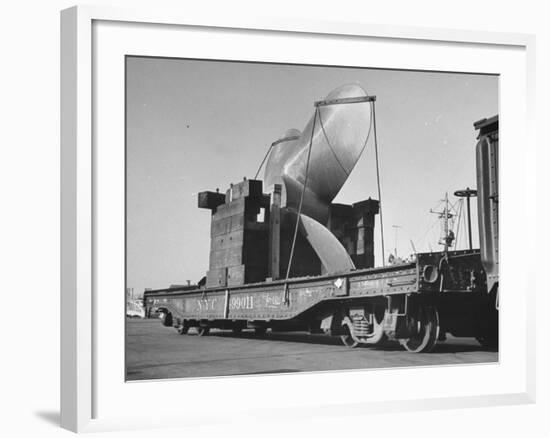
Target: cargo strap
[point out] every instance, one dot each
(302, 195)
(372, 125)
(265, 158)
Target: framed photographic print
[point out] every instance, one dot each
(256, 207)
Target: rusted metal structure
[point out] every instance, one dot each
(487, 205)
(487, 180)
(284, 257)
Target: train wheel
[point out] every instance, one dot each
(487, 331)
(260, 331)
(347, 339)
(167, 319)
(183, 329)
(425, 324)
(203, 330)
(488, 335)
(237, 330)
(489, 341)
(378, 336)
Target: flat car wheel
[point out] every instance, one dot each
(425, 323)
(378, 337)
(260, 331)
(203, 331)
(487, 334)
(183, 329)
(488, 342)
(347, 339)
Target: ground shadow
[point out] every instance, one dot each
(456, 345)
(51, 417)
(444, 347)
(304, 338)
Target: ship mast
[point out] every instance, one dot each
(446, 215)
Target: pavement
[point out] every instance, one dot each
(157, 352)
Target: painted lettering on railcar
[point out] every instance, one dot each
(273, 300)
(240, 302)
(206, 304)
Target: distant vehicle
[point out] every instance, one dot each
(135, 309)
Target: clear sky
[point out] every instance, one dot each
(201, 125)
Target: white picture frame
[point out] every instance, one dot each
(86, 376)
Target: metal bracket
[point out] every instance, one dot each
(388, 297)
(341, 287)
(226, 305)
(401, 283)
(286, 295)
(281, 140)
(344, 100)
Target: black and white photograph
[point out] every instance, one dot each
(301, 218)
(275, 219)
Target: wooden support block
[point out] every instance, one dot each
(239, 242)
(368, 207)
(235, 275)
(274, 262)
(234, 223)
(227, 225)
(353, 226)
(341, 210)
(228, 240)
(226, 257)
(216, 277)
(210, 200)
(233, 208)
(249, 188)
(243, 274)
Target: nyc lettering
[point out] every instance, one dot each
(206, 304)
